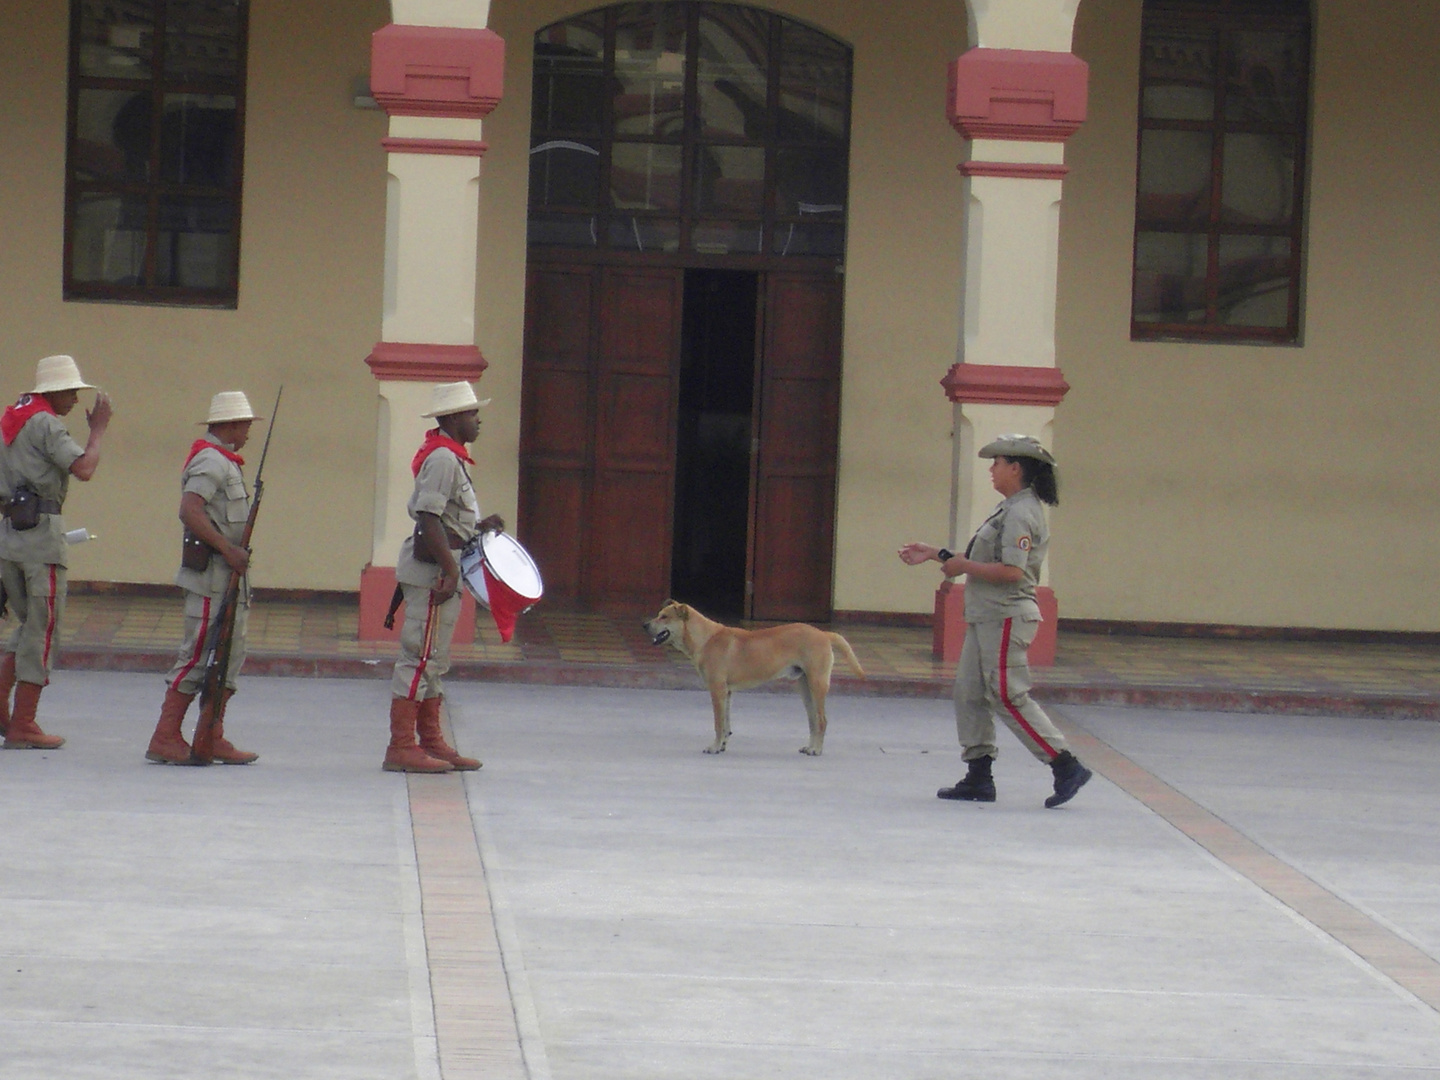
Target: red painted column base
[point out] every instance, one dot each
(949, 627)
(377, 586)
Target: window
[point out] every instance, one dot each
(152, 194)
(1221, 178)
(705, 128)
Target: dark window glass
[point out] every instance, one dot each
(153, 173)
(1220, 182)
(730, 179)
(650, 54)
(814, 86)
(709, 128)
(731, 73)
(569, 77)
(563, 230)
(564, 172)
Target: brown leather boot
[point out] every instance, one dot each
(167, 745)
(23, 733)
(7, 684)
(427, 722)
(403, 755)
(224, 751)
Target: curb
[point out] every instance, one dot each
(1235, 699)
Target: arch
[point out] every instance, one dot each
(708, 128)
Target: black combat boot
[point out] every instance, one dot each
(1070, 777)
(977, 785)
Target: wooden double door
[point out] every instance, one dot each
(601, 408)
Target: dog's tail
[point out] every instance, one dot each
(847, 652)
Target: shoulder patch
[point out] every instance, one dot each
(1023, 543)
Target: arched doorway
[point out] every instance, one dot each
(681, 388)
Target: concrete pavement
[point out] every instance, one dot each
(604, 901)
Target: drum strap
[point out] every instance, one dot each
(396, 600)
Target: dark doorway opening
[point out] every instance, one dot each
(713, 442)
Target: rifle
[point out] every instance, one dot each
(222, 634)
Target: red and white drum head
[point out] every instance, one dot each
(500, 574)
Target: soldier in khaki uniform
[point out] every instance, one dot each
(447, 517)
(1001, 565)
(214, 505)
(37, 459)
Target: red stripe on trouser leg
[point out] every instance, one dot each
(49, 624)
(1005, 693)
(199, 646)
(427, 644)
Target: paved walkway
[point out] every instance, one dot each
(108, 632)
(1249, 896)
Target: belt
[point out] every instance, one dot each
(42, 506)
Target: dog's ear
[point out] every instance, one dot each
(684, 611)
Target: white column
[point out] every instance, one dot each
(1016, 98)
(437, 75)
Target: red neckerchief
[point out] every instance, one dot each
(206, 444)
(19, 414)
(435, 439)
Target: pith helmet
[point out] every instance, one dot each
(1013, 446)
(58, 373)
(229, 405)
(453, 397)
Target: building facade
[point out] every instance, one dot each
(1195, 258)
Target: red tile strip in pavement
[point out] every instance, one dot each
(1386, 951)
(474, 1018)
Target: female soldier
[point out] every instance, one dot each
(1001, 565)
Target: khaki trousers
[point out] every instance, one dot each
(418, 676)
(993, 679)
(201, 611)
(37, 596)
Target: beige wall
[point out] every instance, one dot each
(1267, 486)
(309, 311)
(902, 277)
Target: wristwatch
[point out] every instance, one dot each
(945, 555)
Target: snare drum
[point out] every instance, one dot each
(501, 576)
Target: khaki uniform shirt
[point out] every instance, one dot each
(1015, 534)
(219, 482)
(40, 456)
(442, 488)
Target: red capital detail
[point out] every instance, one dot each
(1000, 384)
(1018, 94)
(451, 147)
(394, 361)
(1014, 170)
(437, 70)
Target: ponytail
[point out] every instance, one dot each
(1040, 475)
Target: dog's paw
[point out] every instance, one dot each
(813, 751)
(715, 749)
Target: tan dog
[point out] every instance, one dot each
(729, 658)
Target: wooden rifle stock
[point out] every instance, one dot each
(222, 633)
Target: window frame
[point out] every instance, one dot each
(1223, 18)
(154, 188)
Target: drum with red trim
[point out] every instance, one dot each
(501, 576)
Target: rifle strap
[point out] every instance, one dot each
(396, 600)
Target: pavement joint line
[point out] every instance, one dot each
(422, 1004)
(1391, 955)
(474, 1018)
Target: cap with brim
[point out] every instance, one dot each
(55, 374)
(446, 399)
(229, 406)
(1015, 446)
